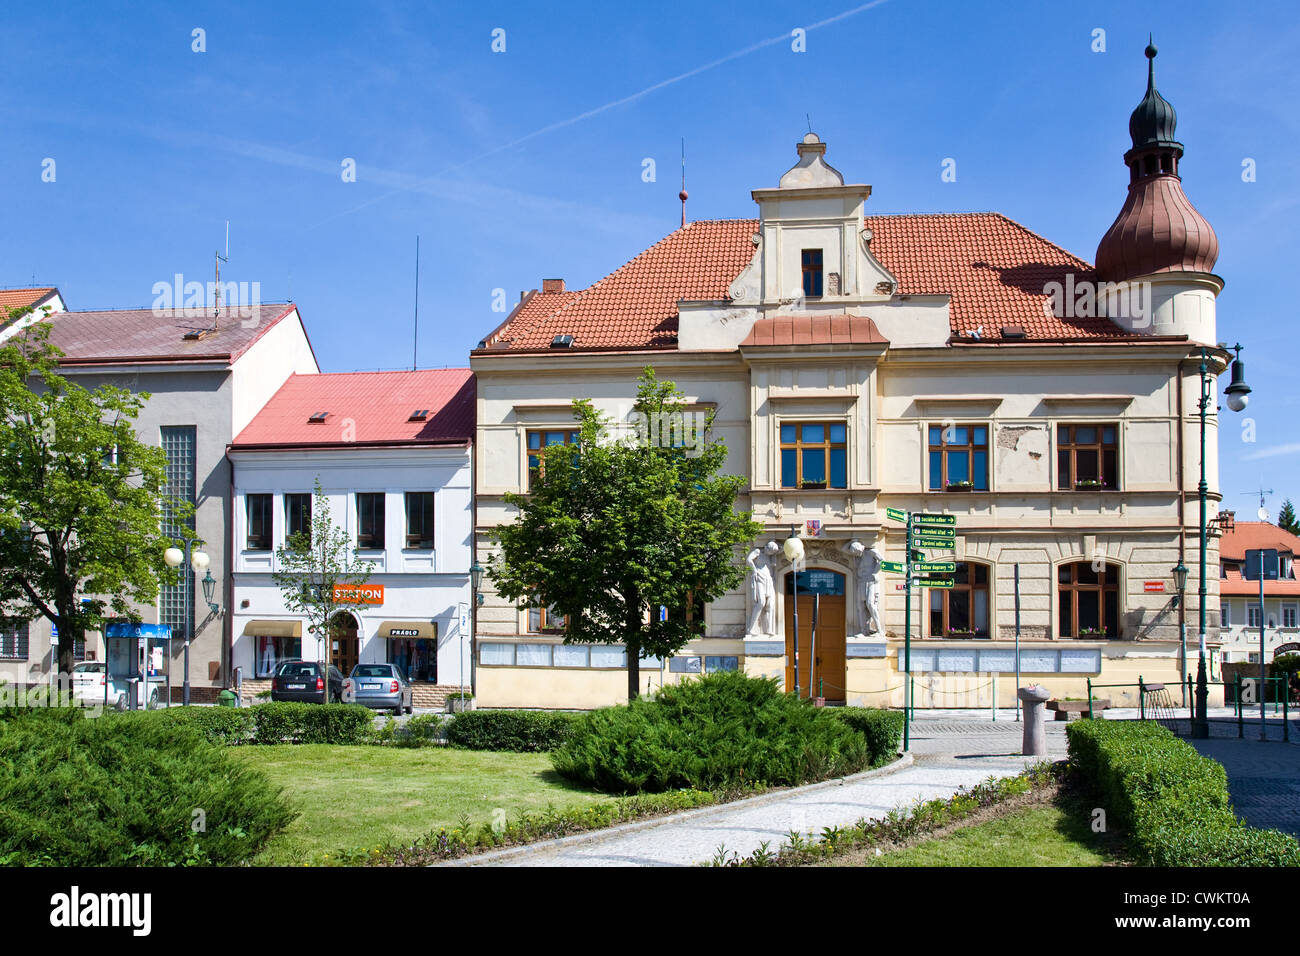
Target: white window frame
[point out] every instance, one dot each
(1294, 609)
(1254, 614)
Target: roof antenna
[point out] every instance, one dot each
(682, 195)
(415, 344)
(218, 258)
(1262, 514)
(809, 119)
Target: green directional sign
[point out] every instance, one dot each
(934, 567)
(933, 520)
(895, 514)
(895, 566)
(934, 582)
(946, 544)
(935, 531)
(931, 534)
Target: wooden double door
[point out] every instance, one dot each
(345, 647)
(822, 609)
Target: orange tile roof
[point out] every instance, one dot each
(994, 269)
(1234, 585)
(814, 330)
(366, 409)
(21, 298)
(1253, 535)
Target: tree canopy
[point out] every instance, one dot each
(81, 497)
(623, 525)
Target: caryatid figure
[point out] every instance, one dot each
(868, 581)
(762, 592)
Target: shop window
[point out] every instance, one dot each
(258, 509)
(417, 657)
(814, 455)
(419, 520)
(14, 640)
(571, 655)
(533, 655)
(499, 654)
(713, 665)
(370, 520)
(959, 457)
(538, 441)
(1088, 601)
(963, 609)
(274, 651)
(686, 665)
(608, 655)
(297, 516)
(811, 269)
(1087, 457)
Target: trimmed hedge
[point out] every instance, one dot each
(521, 731)
(281, 722)
(883, 730)
(722, 732)
(128, 790)
(1172, 802)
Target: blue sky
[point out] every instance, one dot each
(511, 169)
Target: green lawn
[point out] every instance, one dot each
(357, 796)
(1036, 835)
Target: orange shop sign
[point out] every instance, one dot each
(359, 593)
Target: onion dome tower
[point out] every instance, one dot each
(1160, 249)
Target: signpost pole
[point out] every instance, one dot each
(1263, 684)
(1017, 569)
(907, 639)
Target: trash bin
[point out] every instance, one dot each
(227, 698)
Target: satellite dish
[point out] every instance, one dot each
(1263, 514)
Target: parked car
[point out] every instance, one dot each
(304, 681)
(381, 686)
(88, 687)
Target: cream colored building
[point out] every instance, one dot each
(948, 364)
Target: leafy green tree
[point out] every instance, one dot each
(318, 571)
(618, 528)
(1286, 519)
(81, 497)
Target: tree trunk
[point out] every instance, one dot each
(633, 644)
(65, 662)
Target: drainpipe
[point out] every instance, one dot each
(1182, 534)
(227, 619)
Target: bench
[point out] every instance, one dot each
(1064, 708)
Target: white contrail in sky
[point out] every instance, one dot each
(561, 124)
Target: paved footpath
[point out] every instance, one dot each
(949, 752)
(1263, 776)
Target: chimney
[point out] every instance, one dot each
(552, 285)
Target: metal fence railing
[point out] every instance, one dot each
(1155, 702)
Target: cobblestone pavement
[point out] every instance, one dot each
(949, 753)
(1263, 776)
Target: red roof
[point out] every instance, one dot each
(366, 409)
(21, 298)
(1254, 535)
(994, 269)
(142, 335)
(814, 330)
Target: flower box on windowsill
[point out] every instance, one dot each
(959, 486)
(1091, 634)
(963, 635)
(812, 485)
(1089, 485)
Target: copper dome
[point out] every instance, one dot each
(1158, 229)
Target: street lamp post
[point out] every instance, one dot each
(198, 560)
(1238, 393)
(476, 583)
(1179, 571)
(793, 549)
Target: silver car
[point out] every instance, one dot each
(381, 686)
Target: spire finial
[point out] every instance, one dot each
(682, 195)
(1151, 52)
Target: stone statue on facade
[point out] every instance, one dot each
(762, 592)
(868, 590)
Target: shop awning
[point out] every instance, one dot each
(406, 630)
(273, 629)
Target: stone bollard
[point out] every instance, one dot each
(1034, 741)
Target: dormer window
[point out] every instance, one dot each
(318, 418)
(812, 273)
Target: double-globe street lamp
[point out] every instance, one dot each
(184, 552)
(1237, 396)
(793, 548)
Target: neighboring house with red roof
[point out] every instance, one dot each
(207, 376)
(946, 363)
(393, 454)
(1239, 588)
(42, 301)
